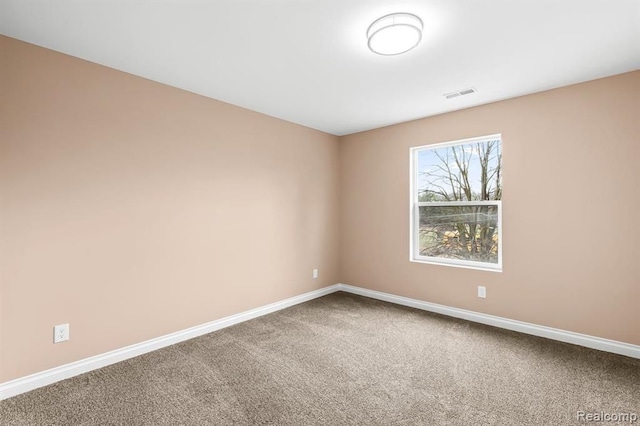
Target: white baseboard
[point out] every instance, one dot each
(599, 343)
(47, 377)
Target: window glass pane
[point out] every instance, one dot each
(463, 172)
(459, 232)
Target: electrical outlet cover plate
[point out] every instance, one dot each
(315, 273)
(482, 292)
(60, 333)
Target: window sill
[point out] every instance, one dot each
(497, 268)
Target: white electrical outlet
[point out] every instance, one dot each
(315, 274)
(482, 292)
(60, 333)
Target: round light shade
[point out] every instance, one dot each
(395, 34)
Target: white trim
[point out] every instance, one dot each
(464, 264)
(47, 377)
(494, 137)
(585, 340)
(458, 203)
(413, 208)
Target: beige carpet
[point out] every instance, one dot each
(340, 360)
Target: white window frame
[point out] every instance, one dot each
(415, 205)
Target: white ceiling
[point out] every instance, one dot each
(307, 61)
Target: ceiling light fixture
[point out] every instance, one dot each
(394, 34)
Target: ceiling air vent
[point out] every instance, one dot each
(460, 93)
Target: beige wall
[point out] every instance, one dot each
(571, 168)
(131, 209)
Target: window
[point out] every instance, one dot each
(456, 207)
